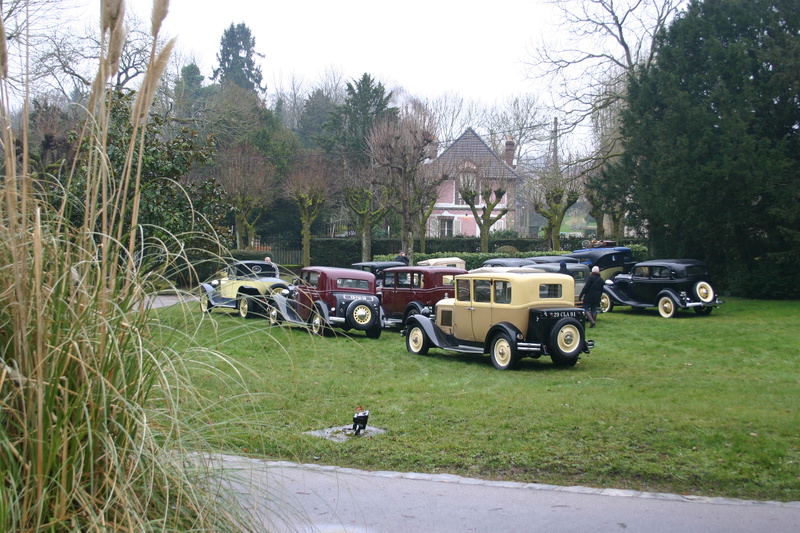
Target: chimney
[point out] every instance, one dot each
(510, 148)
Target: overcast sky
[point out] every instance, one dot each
(471, 48)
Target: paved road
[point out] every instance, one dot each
(312, 498)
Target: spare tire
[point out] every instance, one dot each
(361, 315)
(566, 342)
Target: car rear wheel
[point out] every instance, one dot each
(702, 311)
(374, 333)
(417, 341)
(606, 305)
(704, 292)
(666, 307)
(504, 356)
(566, 342)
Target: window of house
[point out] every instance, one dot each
(445, 227)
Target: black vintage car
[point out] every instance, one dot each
(668, 284)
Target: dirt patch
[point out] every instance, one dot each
(345, 433)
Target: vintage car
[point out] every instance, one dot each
(411, 290)
(611, 261)
(578, 271)
(507, 315)
(668, 284)
(244, 286)
(455, 262)
(326, 297)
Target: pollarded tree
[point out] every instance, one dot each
(248, 179)
(399, 146)
(237, 59)
(553, 190)
(482, 196)
(310, 183)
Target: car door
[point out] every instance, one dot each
(389, 297)
(482, 304)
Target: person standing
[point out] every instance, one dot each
(591, 294)
(402, 257)
(273, 266)
(562, 268)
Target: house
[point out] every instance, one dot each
(471, 158)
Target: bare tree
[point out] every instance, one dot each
(399, 146)
(368, 202)
(452, 115)
(604, 41)
(288, 100)
(553, 190)
(248, 179)
(483, 195)
(521, 118)
(309, 184)
(68, 61)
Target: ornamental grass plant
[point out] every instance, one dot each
(91, 436)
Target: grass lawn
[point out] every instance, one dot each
(692, 405)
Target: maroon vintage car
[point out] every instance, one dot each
(411, 290)
(326, 297)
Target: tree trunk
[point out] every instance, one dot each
(366, 239)
(306, 233)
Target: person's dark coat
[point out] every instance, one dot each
(593, 290)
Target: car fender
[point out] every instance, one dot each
(430, 329)
(673, 296)
(213, 296)
(323, 310)
(505, 327)
(419, 307)
(614, 293)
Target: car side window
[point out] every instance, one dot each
(403, 280)
(312, 278)
(462, 292)
(641, 272)
(388, 279)
(417, 281)
(502, 292)
(483, 290)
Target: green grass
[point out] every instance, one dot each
(693, 405)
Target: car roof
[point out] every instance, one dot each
(352, 273)
(384, 264)
(595, 253)
(425, 268)
(552, 259)
(666, 262)
(516, 275)
(518, 269)
(508, 261)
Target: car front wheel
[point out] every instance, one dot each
(205, 304)
(504, 356)
(417, 340)
(273, 315)
(566, 342)
(244, 306)
(606, 305)
(666, 307)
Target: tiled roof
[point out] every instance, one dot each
(470, 146)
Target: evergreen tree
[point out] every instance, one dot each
(236, 59)
(713, 141)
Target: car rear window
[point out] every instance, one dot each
(348, 283)
(448, 280)
(550, 290)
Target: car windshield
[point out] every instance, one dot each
(349, 283)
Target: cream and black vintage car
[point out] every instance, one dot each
(508, 315)
(244, 286)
